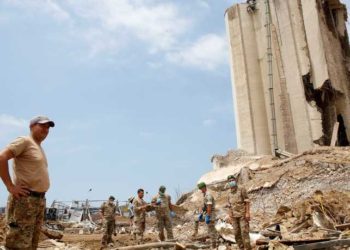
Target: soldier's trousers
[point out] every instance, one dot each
(139, 227)
(210, 229)
(24, 217)
(108, 230)
(241, 231)
(164, 222)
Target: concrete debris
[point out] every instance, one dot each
(313, 218)
(225, 230)
(275, 245)
(51, 244)
(51, 233)
(83, 227)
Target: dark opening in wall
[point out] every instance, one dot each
(324, 98)
(342, 136)
(330, 15)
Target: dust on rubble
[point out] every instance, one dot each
(303, 197)
(284, 183)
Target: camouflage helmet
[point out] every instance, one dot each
(111, 198)
(201, 185)
(231, 177)
(162, 189)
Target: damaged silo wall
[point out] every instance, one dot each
(310, 48)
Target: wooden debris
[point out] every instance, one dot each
(164, 244)
(270, 233)
(51, 233)
(343, 226)
(201, 238)
(179, 246)
(335, 134)
(303, 225)
(323, 245)
(149, 246)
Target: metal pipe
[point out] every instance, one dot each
(270, 75)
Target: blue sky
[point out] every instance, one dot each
(140, 91)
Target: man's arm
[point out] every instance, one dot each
(16, 190)
(171, 207)
(102, 210)
(137, 206)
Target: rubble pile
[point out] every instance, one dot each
(54, 244)
(83, 227)
(324, 215)
(296, 179)
(307, 195)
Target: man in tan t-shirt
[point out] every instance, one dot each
(26, 202)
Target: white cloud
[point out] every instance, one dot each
(208, 53)
(11, 126)
(106, 27)
(102, 24)
(209, 122)
(155, 23)
(100, 42)
(11, 121)
(49, 7)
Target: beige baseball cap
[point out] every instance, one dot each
(41, 120)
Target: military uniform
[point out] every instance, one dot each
(162, 202)
(108, 211)
(25, 215)
(139, 217)
(208, 199)
(237, 203)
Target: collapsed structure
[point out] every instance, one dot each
(290, 74)
(291, 85)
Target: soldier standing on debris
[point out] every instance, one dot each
(239, 213)
(207, 214)
(140, 207)
(108, 210)
(26, 202)
(163, 207)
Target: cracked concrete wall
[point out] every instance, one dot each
(311, 79)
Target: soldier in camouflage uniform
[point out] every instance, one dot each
(108, 210)
(26, 201)
(207, 214)
(238, 203)
(140, 207)
(163, 207)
